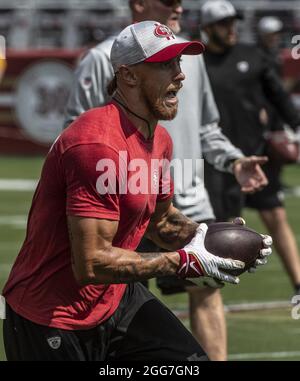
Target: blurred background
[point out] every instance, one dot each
(44, 41)
(45, 38)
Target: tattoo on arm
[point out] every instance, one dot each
(150, 265)
(176, 229)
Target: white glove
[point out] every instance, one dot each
(196, 261)
(264, 253)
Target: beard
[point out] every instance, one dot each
(157, 106)
(219, 41)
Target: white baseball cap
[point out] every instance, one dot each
(216, 10)
(149, 41)
(269, 24)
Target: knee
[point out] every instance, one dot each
(205, 297)
(274, 217)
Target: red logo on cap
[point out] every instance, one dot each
(163, 31)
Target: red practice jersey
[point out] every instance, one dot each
(41, 286)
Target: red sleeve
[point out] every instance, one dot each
(166, 185)
(91, 173)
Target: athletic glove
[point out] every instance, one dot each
(196, 261)
(264, 253)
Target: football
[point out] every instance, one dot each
(283, 147)
(229, 240)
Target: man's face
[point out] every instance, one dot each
(159, 84)
(272, 40)
(167, 12)
(223, 33)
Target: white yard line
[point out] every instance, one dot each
(263, 355)
(293, 191)
(20, 185)
(257, 306)
(18, 221)
(243, 307)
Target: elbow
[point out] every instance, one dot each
(93, 272)
(84, 278)
(84, 275)
(94, 268)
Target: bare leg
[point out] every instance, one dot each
(208, 322)
(284, 240)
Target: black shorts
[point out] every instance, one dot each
(141, 329)
(168, 285)
(228, 200)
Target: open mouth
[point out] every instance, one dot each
(171, 94)
(171, 97)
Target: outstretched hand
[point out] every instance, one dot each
(249, 174)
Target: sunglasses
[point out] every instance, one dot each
(171, 3)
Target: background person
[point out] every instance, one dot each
(269, 33)
(244, 83)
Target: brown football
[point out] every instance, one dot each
(228, 240)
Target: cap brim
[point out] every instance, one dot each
(190, 48)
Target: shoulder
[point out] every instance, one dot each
(104, 47)
(97, 115)
(98, 125)
(162, 132)
(100, 52)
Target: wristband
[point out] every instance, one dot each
(189, 266)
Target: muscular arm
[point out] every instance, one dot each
(96, 261)
(169, 228)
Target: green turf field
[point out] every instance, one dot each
(259, 335)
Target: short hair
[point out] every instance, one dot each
(130, 4)
(112, 86)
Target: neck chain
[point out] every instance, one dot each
(136, 115)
